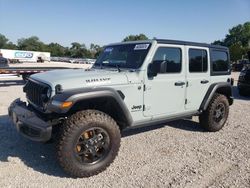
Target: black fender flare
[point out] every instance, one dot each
(220, 87)
(77, 95)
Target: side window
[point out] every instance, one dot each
(197, 60)
(167, 60)
(220, 61)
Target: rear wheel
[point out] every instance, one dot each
(89, 143)
(215, 117)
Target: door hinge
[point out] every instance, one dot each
(143, 108)
(186, 101)
(144, 87)
(187, 84)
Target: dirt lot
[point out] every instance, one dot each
(179, 154)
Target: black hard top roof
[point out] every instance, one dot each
(167, 41)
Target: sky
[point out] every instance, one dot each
(107, 21)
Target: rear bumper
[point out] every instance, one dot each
(28, 123)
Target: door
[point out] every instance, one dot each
(198, 76)
(165, 92)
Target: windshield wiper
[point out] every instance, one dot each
(113, 65)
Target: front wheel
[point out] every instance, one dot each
(89, 143)
(215, 117)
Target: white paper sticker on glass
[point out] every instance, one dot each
(141, 46)
(108, 50)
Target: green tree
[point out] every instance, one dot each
(78, 50)
(237, 40)
(56, 49)
(135, 37)
(10, 46)
(218, 42)
(3, 41)
(75, 46)
(32, 43)
(236, 51)
(95, 50)
(239, 33)
(67, 52)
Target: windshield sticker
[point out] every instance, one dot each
(108, 49)
(141, 46)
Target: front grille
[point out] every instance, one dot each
(35, 92)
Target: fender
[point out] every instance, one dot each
(77, 95)
(220, 87)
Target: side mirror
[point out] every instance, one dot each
(157, 67)
(152, 70)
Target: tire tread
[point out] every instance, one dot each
(73, 124)
(205, 117)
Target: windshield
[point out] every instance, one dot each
(124, 56)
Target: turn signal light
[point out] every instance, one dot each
(66, 104)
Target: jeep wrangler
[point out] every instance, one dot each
(131, 84)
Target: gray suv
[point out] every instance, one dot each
(131, 84)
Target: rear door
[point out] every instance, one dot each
(198, 76)
(164, 93)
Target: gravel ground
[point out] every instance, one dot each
(179, 154)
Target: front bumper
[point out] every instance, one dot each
(28, 123)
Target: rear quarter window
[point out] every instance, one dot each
(220, 62)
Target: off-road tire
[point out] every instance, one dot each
(73, 128)
(207, 117)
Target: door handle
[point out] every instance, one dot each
(179, 83)
(204, 81)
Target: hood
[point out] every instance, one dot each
(77, 78)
